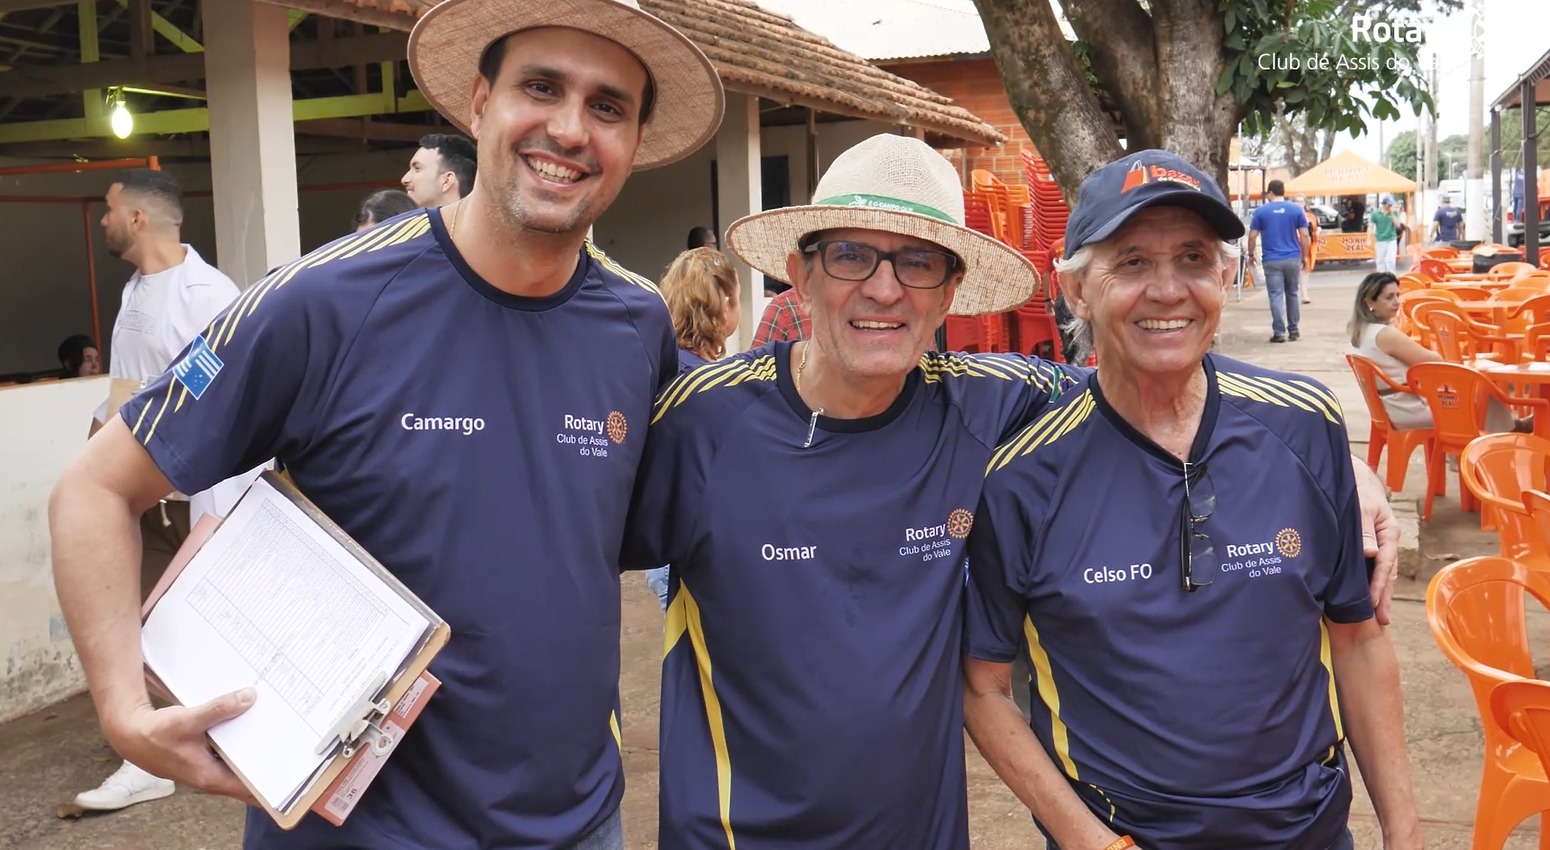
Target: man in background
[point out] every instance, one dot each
(1385, 235)
(1284, 227)
(172, 296)
(701, 236)
(441, 171)
(1446, 221)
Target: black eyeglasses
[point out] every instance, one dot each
(1198, 564)
(916, 268)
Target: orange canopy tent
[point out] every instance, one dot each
(1346, 173)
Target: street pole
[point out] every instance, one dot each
(1474, 186)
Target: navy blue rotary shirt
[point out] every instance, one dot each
(811, 681)
(483, 447)
(1188, 720)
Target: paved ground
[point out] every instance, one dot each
(48, 756)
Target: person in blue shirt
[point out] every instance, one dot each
(465, 391)
(1176, 544)
(1284, 227)
(1446, 221)
(813, 499)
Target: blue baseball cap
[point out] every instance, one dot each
(1149, 178)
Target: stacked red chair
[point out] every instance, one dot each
(1031, 218)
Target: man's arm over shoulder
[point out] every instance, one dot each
(1003, 393)
(689, 421)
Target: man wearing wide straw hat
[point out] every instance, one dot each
(811, 688)
(811, 681)
(348, 365)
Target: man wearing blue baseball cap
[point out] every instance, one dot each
(1203, 644)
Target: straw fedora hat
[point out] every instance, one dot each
(899, 185)
(449, 39)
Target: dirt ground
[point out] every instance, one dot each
(48, 756)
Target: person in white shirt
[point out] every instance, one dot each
(170, 300)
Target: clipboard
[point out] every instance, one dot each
(365, 736)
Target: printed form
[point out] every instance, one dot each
(273, 602)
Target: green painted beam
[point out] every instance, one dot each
(91, 99)
(166, 29)
(197, 120)
(295, 18)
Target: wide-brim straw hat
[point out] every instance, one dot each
(899, 185)
(449, 39)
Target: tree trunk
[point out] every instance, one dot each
(1048, 90)
(1159, 69)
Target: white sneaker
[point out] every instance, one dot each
(128, 785)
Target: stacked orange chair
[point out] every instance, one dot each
(1049, 206)
(1475, 609)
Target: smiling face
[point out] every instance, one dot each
(558, 128)
(1153, 292)
(874, 328)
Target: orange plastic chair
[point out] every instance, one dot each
(1411, 282)
(1537, 502)
(1508, 271)
(1498, 469)
(1521, 708)
(1475, 610)
(1440, 253)
(1536, 343)
(1515, 293)
(1469, 293)
(1383, 435)
(1456, 396)
(1433, 268)
(1448, 329)
(1538, 279)
(1536, 308)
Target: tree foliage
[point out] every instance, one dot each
(1400, 155)
(1187, 74)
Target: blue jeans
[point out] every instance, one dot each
(1281, 281)
(1346, 842)
(610, 836)
(656, 579)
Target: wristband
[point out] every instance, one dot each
(1121, 843)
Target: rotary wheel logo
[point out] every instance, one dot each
(616, 427)
(959, 522)
(1288, 542)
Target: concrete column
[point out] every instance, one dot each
(739, 190)
(252, 137)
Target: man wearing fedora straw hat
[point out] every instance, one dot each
(465, 391)
(811, 681)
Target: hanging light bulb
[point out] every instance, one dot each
(119, 118)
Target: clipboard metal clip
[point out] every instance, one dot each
(360, 725)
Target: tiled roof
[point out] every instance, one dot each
(766, 54)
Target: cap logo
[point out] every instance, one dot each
(1141, 174)
(883, 202)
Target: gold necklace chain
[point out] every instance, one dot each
(452, 229)
(796, 379)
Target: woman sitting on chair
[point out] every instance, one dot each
(1373, 337)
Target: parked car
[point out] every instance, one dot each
(1326, 216)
